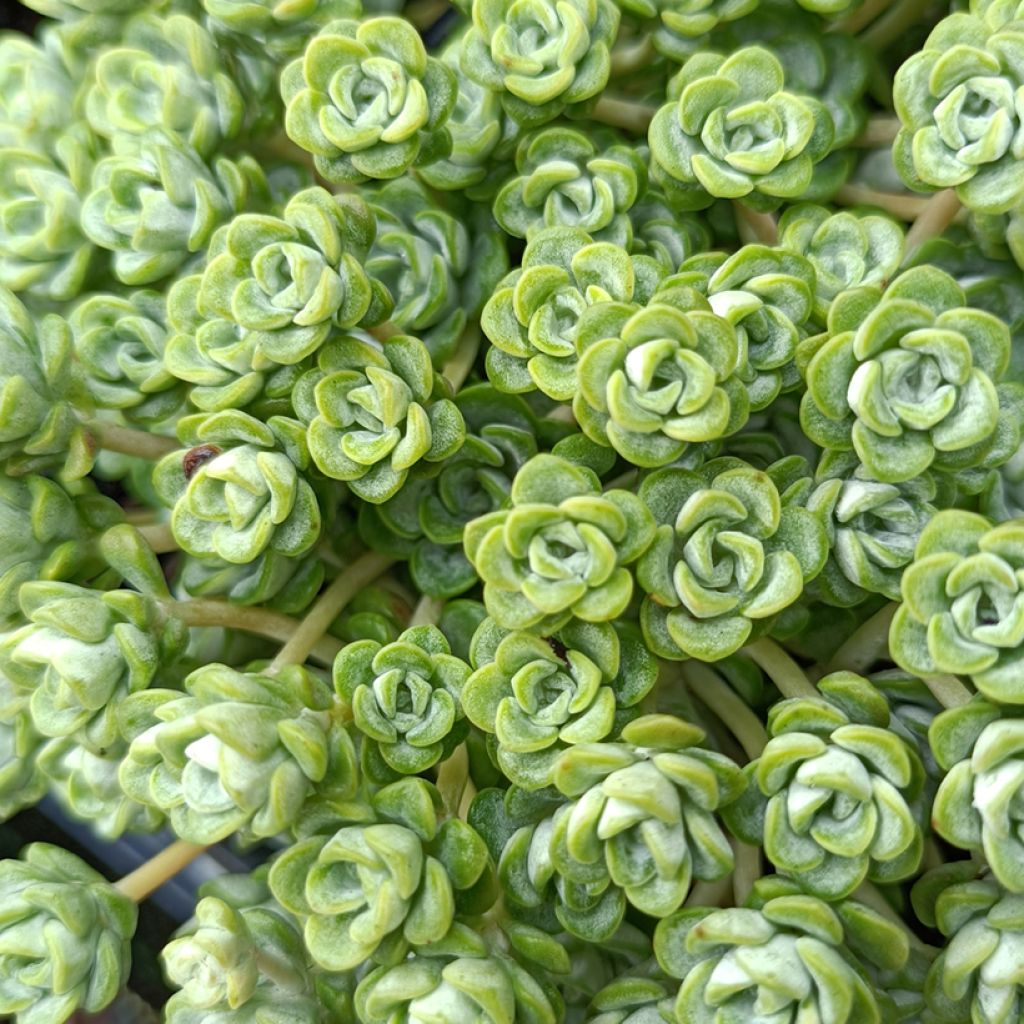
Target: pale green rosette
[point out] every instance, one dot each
(963, 605)
(375, 888)
(66, 935)
(538, 56)
(655, 380)
(37, 94)
(562, 549)
(238, 751)
(732, 131)
(910, 379)
(727, 557)
(239, 489)
(367, 101)
(275, 29)
(831, 798)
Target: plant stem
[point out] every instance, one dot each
(427, 611)
(894, 23)
(754, 226)
(867, 643)
(159, 536)
(386, 330)
(746, 872)
(720, 698)
(452, 776)
(879, 131)
(860, 17)
(709, 894)
(937, 214)
(783, 671)
(143, 445)
(868, 894)
(901, 205)
(424, 13)
(261, 621)
(148, 877)
(948, 690)
(629, 57)
(632, 117)
(458, 368)
(363, 571)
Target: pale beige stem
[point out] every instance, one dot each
(114, 438)
(148, 877)
(424, 13)
(948, 690)
(746, 872)
(936, 216)
(894, 23)
(783, 671)
(868, 643)
(427, 611)
(860, 18)
(754, 226)
(879, 131)
(710, 894)
(160, 537)
(386, 330)
(899, 204)
(627, 58)
(705, 684)
(632, 117)
(458, 368)
(261, 621)
(362, 572)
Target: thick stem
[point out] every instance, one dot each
(629, 57)
(936, 216)
(783, 671)
(728, 707)
(424, 13)
(148, 877)
(452, 777)
(458, 368)
(386, 330)
(754, 226)
(632, 117)
(894, 23)
(948, 690)
(746, 872)
(901, 205)
(860, 18)
(427, 611)
(879, 131)
(261, 621)
(710, 894)
(160, 537)
(868, 643)
(114, 438)
(362, 572)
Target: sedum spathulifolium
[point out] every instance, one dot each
(540, 480)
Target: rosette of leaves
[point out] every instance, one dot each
(43, 251)
(158, 205)
(538, 695)
(910, 379)
(532, 318)
(631, 1001)
(21, 783)
(119, 342)
(425, 521)
(367, 101)
(36, 92)
(872, 528)
(831, 796)
(1003, 494)
(404, 697)
(373, 412)
(482, 137)
(976, 976)
(847, 249)
(561, 550)
(665, 234)
(979, 800)
(239, 488)
(66, 936)
(656, 380)
(963, 610)
(82, 652)
(238, 963)
(219, 358)
(641, 826)
(278, 29)
(784, 950)
(570, 179)
(439, 267)
(373, 889)
(681, 23)
(165, 73)
(237, 751)
(48, 532)
(289, 281)
(960, 124)
(767, 295)
(87, 786)
(538, 57)
(727, 557)
(731, 131)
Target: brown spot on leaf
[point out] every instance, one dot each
(195, 457)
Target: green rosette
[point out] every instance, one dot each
(367, 101)
(562, 549)
(37, 94)
(270, 27)
(664, 233)
(727, 557)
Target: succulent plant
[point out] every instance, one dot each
(36, 92)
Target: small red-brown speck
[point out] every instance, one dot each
(195, 457)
